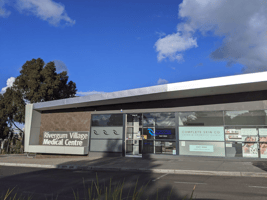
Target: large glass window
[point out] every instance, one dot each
(245, 117)
(107, 120)
(201, 118)
(241, 141)
(159, 126)
(163, 147)
(158, 119)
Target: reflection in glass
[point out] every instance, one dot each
(245, 117)
(107, 120)
(201, 118)
(158, 119)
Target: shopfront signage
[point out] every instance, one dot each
(201, 133)
(249, 131)
(159, 132)
(108, 132)
(263, 131)
(67, 138)
(201, 148)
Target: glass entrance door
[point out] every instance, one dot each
(134, 135)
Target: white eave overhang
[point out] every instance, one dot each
(196, 88)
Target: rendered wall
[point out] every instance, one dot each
(32, 127)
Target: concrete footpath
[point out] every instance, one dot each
(181, 165)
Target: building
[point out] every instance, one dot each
(220, 117)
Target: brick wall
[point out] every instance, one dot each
(71, 121)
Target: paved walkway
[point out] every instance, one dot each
(181, 165)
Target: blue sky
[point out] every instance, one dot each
(109, 46)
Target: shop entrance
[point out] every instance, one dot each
(134, 135)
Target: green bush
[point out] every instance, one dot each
(97, 192)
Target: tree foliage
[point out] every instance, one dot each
(37, 82)
(4, 128)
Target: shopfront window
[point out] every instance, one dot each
(201, 118)
(159, 147)
(245, 117)
(244, 138)
(107, 120)
(162, 147)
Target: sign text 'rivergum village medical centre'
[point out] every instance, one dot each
(66, 138)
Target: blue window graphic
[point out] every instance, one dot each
(159, 132)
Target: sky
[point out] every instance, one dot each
(117, 45)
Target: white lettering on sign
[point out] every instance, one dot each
(55, 136)
(53, 142)
(73, 143)
(66, 138)
(76, 135)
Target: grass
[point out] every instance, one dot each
(94, 191)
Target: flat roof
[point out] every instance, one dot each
(204, 87)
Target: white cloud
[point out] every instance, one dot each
(9, 83)
(171, 45)
(89, 93)
(3, 11)
(162, 81)
(160, 34)
(47, 10)
(241, 23)
(60, 66)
